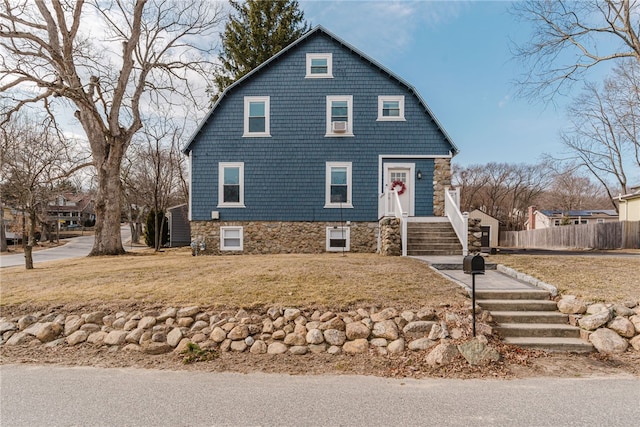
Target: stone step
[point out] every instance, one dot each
(571, 345)
(515, 294)
(433, 252)
(529, 317)
(517, 305)
(538, 330)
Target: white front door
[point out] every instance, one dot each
(400, 178)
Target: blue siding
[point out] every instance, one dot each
(285, 174)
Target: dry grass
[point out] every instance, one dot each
(593, 278)
(177, 278)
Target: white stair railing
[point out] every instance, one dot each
(403, 216)
(459, 221)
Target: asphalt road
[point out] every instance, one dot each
(63, 396)
(75, 248)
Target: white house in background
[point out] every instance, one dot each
(629, 205)
(490, 228)
(547, 218)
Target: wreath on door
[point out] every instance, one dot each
(398, 183)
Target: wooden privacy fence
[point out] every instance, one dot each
(609, 235)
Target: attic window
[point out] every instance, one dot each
(319, 66)
(391, 108)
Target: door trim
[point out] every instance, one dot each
(410, 178)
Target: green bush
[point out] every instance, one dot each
(150, 229)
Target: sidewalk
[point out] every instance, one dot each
(451, 267)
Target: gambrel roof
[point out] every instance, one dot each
(321, 30)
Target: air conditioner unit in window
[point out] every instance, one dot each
(339, 127)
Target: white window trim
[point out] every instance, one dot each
(328, 57)
(267, 117)
(221, 168)
(349, 99)
(382, 99)
(347, 235)
(222, 236)
(331, 205)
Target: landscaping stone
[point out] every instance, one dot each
(19, 338)
(607, 341)
(356, 330)
(97, 338)
(385, 329)
(597, 308)
(443, 354)
(569, 304)
(295, 339)
(386, 314)
(238, 346)
(315, 336)
(635, 342)
(335, 337)
(188, 312)
(115, 338)
(635, 319)
(622, 326)
(298, 350)
(258, 347)
(156, 348)
(277, 347)
(396, 346)
(175, 336)
(422, 344)
(95, 317)
(71, 324)
(134, 336)
(25, 321)
(77, 337)
(239, 332)
(595, 321)
(7, 326)
(356, 346)
(621, 310)
(477, 352)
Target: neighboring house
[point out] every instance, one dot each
(306, 153)
(490, 228)
(179, 230)
(629, 205)
(555, 217)
(71, 210)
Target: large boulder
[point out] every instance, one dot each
(607, 341)
(386, 329)
(443, 354)
(477, 352)
(356, 346)
(594, 321)
(356, 330)
(571, 305)
(622, 326)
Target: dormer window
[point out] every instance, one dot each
(319, 66)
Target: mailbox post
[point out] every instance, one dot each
(473, 264)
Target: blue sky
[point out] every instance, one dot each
(457, 55)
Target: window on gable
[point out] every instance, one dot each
(256, 116)
(231, 185)
(391, 108)
(339, 115)
(338, 239)
(319, 66)
(338, 185)
(231, 238)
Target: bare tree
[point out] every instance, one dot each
(603, 132)
(112, 60)
(570, 37)
(34, 159)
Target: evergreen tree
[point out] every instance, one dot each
(150, 230)
(254, 33)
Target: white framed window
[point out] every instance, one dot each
(600, 221)
(256, 116)
(338, 239)
(340, 115)
(231, 185)
(390, 108)
(231, 238)
(580, 221)
(338, 185)
(319, 66)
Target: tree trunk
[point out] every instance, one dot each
(3, 235)
(108, 240)
(28, 249)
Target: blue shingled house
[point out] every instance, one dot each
(318, 149)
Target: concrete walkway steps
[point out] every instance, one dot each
(524, 315)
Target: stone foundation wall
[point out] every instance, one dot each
(275, 237)
(390, 241)
(474, 242)
(441, 181)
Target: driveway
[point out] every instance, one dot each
(76, 247)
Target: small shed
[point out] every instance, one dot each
(490, 228)
(629, 206)
(179, 228)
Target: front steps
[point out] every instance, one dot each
(432, 238)
(527, 318)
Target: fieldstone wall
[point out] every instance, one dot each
(390, 241)
(474, 242)
(276, 237)
(274, 331)
(611, 328)
(441, 181)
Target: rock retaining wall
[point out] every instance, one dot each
(275, 331)
(611, 328)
